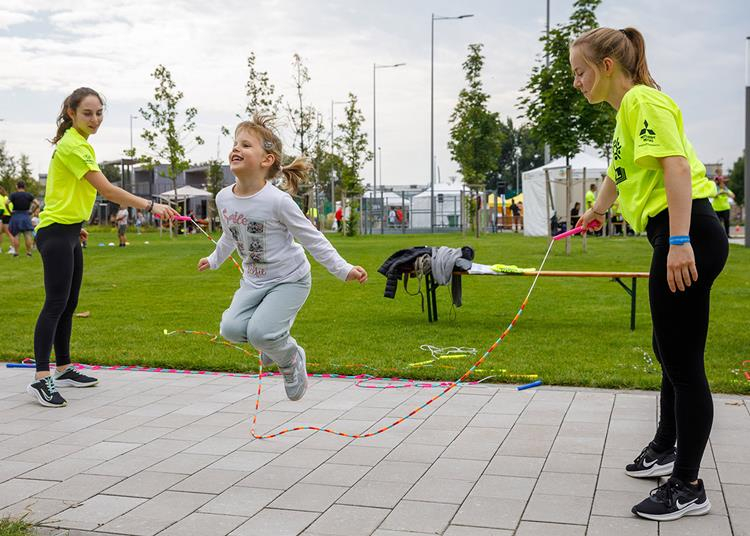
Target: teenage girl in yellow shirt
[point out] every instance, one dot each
(72, 183)
(663, 189)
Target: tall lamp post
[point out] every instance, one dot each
(432, 112)
(375, 67)
(747, 139)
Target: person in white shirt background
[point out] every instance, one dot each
(261, 222)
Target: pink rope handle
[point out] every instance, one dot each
(575, 230)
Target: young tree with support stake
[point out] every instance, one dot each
(351, 146)
(167, 136)
(476, 134)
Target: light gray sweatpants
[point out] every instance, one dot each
(263, 317)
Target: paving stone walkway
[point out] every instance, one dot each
(152, 453)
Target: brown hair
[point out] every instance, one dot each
(296, 172)
(627, 47)
(71, 102)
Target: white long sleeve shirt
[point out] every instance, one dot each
(262, 228)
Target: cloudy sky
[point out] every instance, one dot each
(696, 51)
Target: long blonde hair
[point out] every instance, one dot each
(297, 172)
(627, 47)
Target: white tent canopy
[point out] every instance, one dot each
(585, 170)
(389, 198)
(184, 192)
(447, 212)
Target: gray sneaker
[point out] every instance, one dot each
(295, 376)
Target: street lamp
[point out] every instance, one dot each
(432, 113)
(375, 67)
(747, 139)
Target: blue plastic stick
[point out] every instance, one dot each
(529, 385)
(19, 365)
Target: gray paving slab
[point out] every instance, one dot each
(172, 455)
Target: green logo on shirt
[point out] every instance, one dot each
(646, 134)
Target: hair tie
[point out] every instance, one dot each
(267, 145)
(623, 31)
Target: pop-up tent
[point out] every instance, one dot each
(543, 198)
(184, 192)
(447, 206)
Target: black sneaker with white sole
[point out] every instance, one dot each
(672, 500)
(650, 463)
(45, 392)
(70, 377)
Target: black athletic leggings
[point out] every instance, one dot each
(60, 248)
(680, 327)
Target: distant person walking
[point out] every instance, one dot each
(20, 220)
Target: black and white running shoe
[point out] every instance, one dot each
(45, 392)
(650, 463)
(672, 500)
(70, 377)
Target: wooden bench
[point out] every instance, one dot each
(431, 286)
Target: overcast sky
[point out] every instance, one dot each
(696, 51)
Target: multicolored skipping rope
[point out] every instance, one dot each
(448, 388)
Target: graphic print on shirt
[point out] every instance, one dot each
(620, 174)
(646, 134)
(250, 239)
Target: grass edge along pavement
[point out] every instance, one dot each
(15, 527)
(572, 333)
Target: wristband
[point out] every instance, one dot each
(679, 240)
(598, 213)
(150, 205)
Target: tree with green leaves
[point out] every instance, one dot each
(301, 116)
(558, 113)
(260, 92)
(516, 141)
(351, 145)
(737, 180)
(169, 139)
(476, 133)
(8, 169)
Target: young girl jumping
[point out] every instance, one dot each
(663, 189)
(261, 222)
(72, 183)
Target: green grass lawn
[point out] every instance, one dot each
(573, 332)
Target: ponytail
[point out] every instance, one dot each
(641, 74)
(626, 46)
(296, 173)
(71, 102)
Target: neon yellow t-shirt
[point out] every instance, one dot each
(590, 198)
(69, 197)
(721, 201)
(649, 127)
(5, 211)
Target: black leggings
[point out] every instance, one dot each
(60, 248)
(680, 327)
(724, 217)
